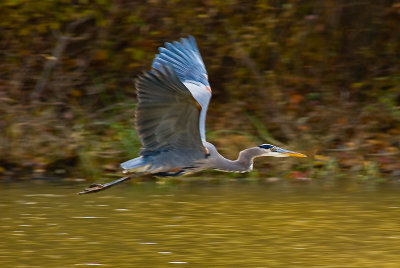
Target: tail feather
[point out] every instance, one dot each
(138, 164)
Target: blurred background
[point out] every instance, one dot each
(317, 77)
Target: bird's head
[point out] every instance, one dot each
(275, 151)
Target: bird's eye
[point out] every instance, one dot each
(266, 146)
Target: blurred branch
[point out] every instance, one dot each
(58, 51)
(272, 107)
(250, 64)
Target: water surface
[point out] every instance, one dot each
(198, 225)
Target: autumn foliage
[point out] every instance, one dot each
(320, 77)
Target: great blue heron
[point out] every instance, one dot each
(170, 119)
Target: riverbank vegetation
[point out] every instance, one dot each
(318, 77)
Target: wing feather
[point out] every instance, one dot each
(167, 117)
(185, 59)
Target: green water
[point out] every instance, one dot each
(199, 225)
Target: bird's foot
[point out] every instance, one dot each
(92, 188)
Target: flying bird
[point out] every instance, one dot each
(173, 98)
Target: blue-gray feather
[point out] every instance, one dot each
(134, 163)
(167, 121)
(185, 59)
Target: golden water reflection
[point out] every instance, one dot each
(225, 225)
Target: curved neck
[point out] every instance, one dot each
(243, 163)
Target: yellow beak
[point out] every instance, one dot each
(287, 152)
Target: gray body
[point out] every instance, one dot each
(164, 164)
(170, 118)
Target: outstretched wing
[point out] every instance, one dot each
(185, 59)
(167, 115)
